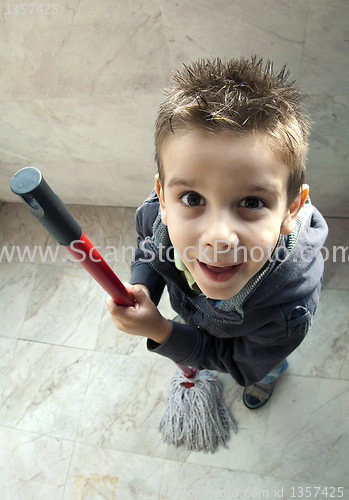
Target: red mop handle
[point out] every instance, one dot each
(188, 371)
(85, 253)
(54, 216)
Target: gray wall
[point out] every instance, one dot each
(79, 89)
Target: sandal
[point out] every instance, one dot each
(257, 395)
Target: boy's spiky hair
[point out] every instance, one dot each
(241, 95)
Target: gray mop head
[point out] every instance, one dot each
(196, 416)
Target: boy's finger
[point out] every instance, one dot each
(138, 293)
(111, 305)
(131, 288)
(136, 290)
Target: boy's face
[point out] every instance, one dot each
(223, 196)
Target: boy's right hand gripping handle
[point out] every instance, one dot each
(54, 216)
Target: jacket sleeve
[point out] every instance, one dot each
(248, 359)
(141, 271)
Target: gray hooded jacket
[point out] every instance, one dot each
(251, 333)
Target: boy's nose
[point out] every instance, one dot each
(220, 231)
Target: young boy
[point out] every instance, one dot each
(229, 228)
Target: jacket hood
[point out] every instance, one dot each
(302, 266)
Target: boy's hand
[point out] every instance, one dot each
(143, 319)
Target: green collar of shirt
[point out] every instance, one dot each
(181, 267)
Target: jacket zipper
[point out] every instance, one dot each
(190, 299)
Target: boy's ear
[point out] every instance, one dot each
(291, 215)
(160, 193)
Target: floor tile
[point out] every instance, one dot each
(101, 226)
(32, 467)
(124, 404)
(113, 341)
(301, 435)
(17, 284)
(104, 474)
(127, 244)
(65, 308)
(336, 273)
(74, 376)
(7, 349)
(45, 389)
(184, 480)
(21, 234)
(25, 240)
(325, 350)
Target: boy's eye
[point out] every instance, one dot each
(192, 199)
(252, 203)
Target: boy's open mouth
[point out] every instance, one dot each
(219, 273)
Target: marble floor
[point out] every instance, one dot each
(81, 402)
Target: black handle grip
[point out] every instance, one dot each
(45, 205)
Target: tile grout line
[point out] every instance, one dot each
(78, 422)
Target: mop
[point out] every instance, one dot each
(194, 413)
